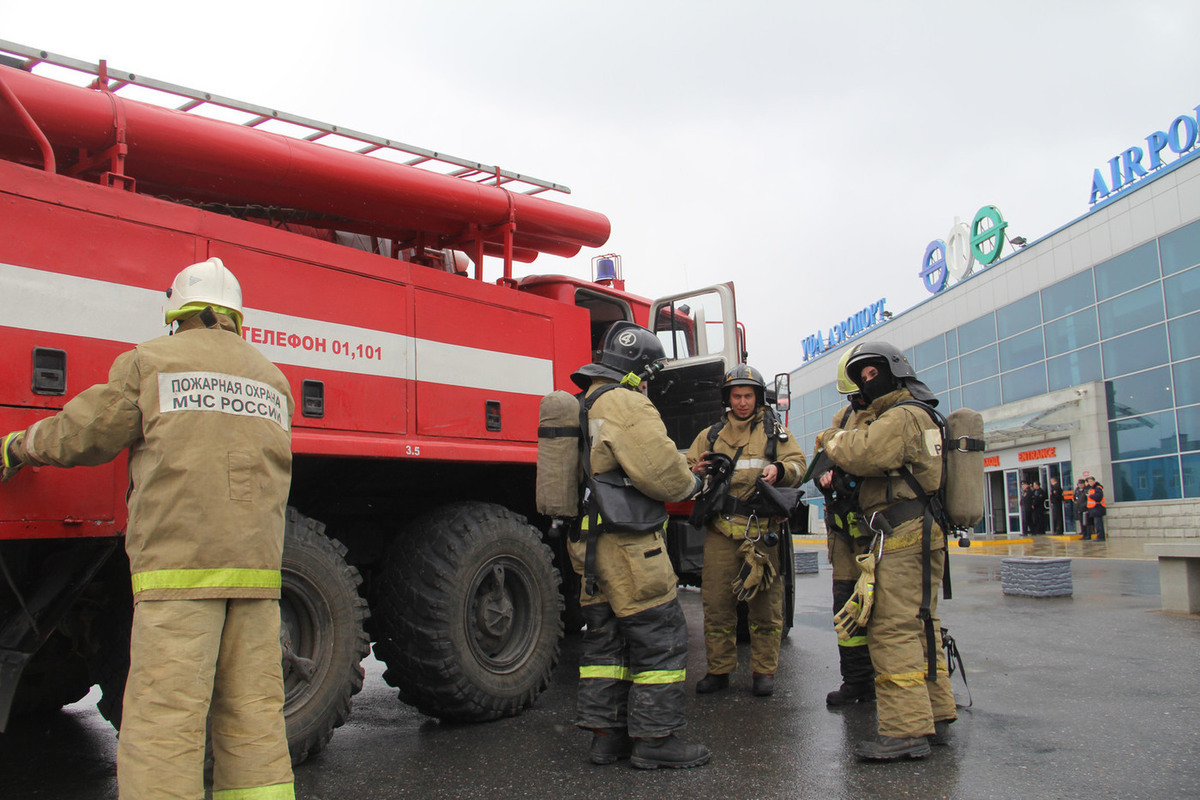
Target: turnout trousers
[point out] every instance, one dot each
(721, 565)
(632, 670)
(192, 660)
(854, 656)
(907, 703)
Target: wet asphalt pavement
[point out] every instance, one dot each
(1089, 696)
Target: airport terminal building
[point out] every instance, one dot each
(1080, 349)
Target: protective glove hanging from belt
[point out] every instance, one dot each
(757, 572)
(854, 615)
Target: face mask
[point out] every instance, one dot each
(878, 386)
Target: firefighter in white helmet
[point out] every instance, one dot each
(206, 419)
(739, 564)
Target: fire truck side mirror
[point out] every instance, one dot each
(783, 391)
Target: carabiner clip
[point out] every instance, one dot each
(752, 519)
(879, 534)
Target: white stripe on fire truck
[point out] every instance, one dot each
(75, 306)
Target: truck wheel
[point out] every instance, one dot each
(469, 613)
(322, 635)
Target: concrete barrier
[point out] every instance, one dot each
(1178, 576)
(1034, 576)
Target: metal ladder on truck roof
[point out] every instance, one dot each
(160, 93)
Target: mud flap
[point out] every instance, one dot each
(43, 606)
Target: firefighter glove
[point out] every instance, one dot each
(12, 462)
(757, 572)
(854, 615)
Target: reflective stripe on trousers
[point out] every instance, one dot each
(632, 670)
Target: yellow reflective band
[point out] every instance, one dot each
(7, 462)
(207, 579)
(610, 672)
(907, 679)
(853, 641)
(718, 633)
(660, 676)
(767, 630)
(280, 791)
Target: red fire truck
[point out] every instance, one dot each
(411, 522)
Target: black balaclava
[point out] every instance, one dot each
(881, 384)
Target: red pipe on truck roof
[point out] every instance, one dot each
(190, 157)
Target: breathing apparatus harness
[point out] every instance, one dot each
(715, 497)
(930, 508)
(589, 507)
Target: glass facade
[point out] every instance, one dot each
(1132, 321)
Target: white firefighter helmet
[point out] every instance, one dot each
(208, 283)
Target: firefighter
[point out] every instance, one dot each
(634, 653)
(206, 420)
(899, 450)
(738, 563)
(846, 541)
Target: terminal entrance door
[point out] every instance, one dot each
(1011, 502)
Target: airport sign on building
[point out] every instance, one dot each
(1132, 164)
(965, 245)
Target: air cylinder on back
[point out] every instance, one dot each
(964, 466)
(558, 467)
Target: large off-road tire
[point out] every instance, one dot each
(322, 635)
(469, 613)
(321, 631)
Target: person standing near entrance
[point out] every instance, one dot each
(1026, 509)
(1095, 507)
(209, 473)
(1080, 496)
(1039, 509)
(1056, 507)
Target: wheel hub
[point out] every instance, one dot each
(494, 613)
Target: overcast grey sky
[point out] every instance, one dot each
(807, 151)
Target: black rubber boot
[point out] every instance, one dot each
(889, 748)
(668, 751)
(851, 693)
(764, 685)
(609, 745)
(858, 677)
(941, 733)
(712, 683)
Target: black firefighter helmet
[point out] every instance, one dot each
(627, 348)
(892, 364)
(744, 375)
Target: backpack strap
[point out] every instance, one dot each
(934, 507)
(593, 518)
